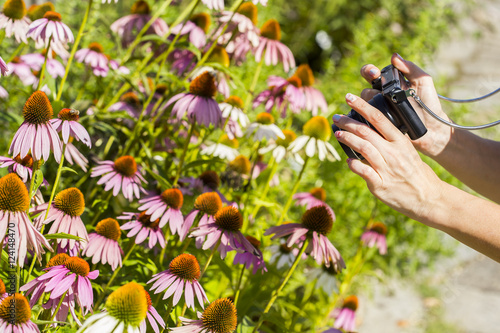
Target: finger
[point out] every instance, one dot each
(370, 72)
(368, 94)
(361, 130)
(371, 177)
(364, 147)
(412, 72)
(374, 117)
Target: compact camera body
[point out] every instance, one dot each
(394, 104)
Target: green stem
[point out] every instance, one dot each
(74, 49)
(209, 259)
(251, 90)
(274, 168)
(238, 288)
(58, 306)
(280, 288)
(56, 182)
(16, 52)
(184, 151)
(164, 250)
(294, 189)
(44, 67)
(36, 165)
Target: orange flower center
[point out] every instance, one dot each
(126, 166)
(379, 228)
(70, 201)
(271, 30)
(295, 81)
(318, 193)
(210, 179)
(96, 47)
(15, 309)
(220, 316)
(141, 7)
(130, 98)
(351, 302)
(233, 143)
(109, 228)
(318, 127)
(161, 88)
(290, 136)
(58, 259)
(128, 304)
(208, 203)
(27, 161)
(203, 85)
(38, 109)
(148, 299)
(229, 218)
(14, 9)
(241, 164)
(285, 249)
(146, 221)
(202, 20)
(318, 219)
(69, 114)
(13, 194)
(235, 101)
(265, 118)
(52, 16)
(249, 10)
(305, 74)
(36, 12)
(173, 198)
(254, 241)
(219, 55)
(186, 267)
(78, 266)
(3, 290)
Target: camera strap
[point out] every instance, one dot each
(413, 93)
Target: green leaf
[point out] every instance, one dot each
(163, 182)
(62, 235)
(47, 322)
(68, 169)
(38, 180)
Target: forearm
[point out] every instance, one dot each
(469, 219)
(473, 160)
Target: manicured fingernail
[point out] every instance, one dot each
(350, 97)
(349, 160)
(338, 134)
(399, 56)
(336, 117)
(373, 72)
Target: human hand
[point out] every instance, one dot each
(394, 171)
(438, 135)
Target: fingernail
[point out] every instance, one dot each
(338, 134)
(399, 56)
(336, 117)
(349, 160)
(373, 72)
(350, 97)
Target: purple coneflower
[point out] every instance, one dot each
(317, 133)
(264, 128)
(219, 317)
(375, 235)
(181, 277)
(166, 207)
(315, 197)
(199, 103)
(14, 202)
(122, 174)
(36, 133)
(224, 232)
(128, 102)
(314, 99)
(207, 204)
(286, 92)
(3, 67)
(182, 61)
(103, 244)
(346, 317)
(141, 14)
(94, 57)
(72, 155)
(22, 70)
(3, 291)
(14, 21)
(67, 124)
(36, 60)
(64, 276)
(197, 28)
(270, 36)
(142, 226)
(126, 309)
(51, 29)
(153, 317)
(244, 20)
(207, 181)
(251, 259)
(65, 213)
(15, 314)
(316, 223)
(21, 166)
(332, 330)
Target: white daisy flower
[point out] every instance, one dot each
(225, 149)
(281, 148)
(232, 108)
(264, 128)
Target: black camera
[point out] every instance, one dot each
(394, 104)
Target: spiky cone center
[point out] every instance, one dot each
(141, 7)
(146, 221)
(318, 219)
(254, 241)
(15, 9)
(96, 47)
(148, 299)
(109, 228)
(15, 309)
(70, 201)
(285, 249)
(126, 165)
(186, 267)
(173, 198)
(69, 114)
(16, 60)
(130, 98)
(203, 85)
(37, 109)
(379, 228)
(233, 143)
(265, 118)
(351, 302)
(202, 20)
(229, 218)
(26, 161)
(219, 55)
(13, 194)
(3, 290)
(52, 16)
(44, 53)
(78, 266)
(271, 30)
(235, 101)
(128, 304)
(220, 316)
(249, 10)
(305, 74)
(319, 193)
(295, 81)
(58, 259)
(318, 127)
(208, 203)
(36, 12)
(161, 88)
(210, 179)
(290, 136)
(241, 164)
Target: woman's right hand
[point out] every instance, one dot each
(438, 134)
